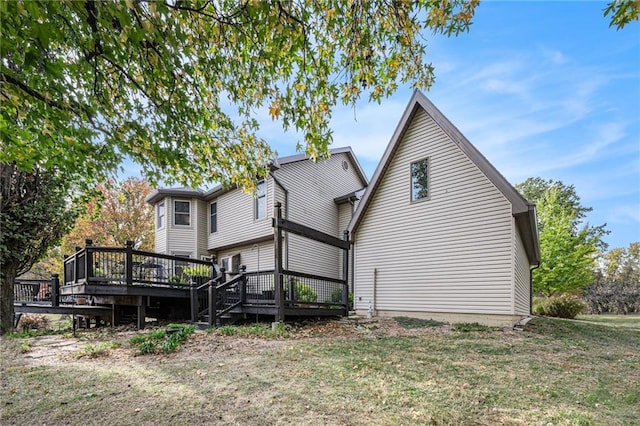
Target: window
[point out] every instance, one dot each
(261, 201)
(182, 213)
(160, 219)
(213, 218)
(420, 180)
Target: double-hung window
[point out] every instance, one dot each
(420, 180)
(160, 217)
(260, 210)
(213, 218)
(182, 213)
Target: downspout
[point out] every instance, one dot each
(286, 216)
(352, 250)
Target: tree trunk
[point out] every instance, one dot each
(7, 280)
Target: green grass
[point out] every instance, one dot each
(467, 327)
(562, 372)
(630, 321)
(261, 330)
(95, 351)
(409, 323)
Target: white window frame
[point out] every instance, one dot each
(175, 213)
(161, 215)
(412, 194)
(212, 217)
(261, 197)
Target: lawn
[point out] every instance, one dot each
(558, 372)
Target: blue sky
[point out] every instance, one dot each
(541, 89)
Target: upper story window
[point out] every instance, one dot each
(213, 218)
(160, 217)
(182, 213)
(261, 201)
(420, 180)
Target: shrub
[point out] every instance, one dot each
(34, 322)
(175, 279)
(162, 340)
(304, 293)
(336, 297)
(563, 306)
(197, 271)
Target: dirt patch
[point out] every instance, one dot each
(50, 350)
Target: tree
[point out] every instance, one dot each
(568, 247)
(175, 85)
(622, 12)
(616, 282)
(35, 211)
(533, 189)
(117, 214)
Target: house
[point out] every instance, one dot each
(236, 227)
(440, 233)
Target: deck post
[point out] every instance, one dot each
(193, 293)
(278, 287)
(88, 260)
(76, 265)
(142, 312)
(128, 262)
(243, 285)
(55, 290)
(345, 274)
(213, 294)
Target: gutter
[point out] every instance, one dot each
(286, 216)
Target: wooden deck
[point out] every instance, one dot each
(132, 283)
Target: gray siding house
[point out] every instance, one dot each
(440, 233)
(236, 227)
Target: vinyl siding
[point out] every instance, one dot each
(449, 253)
(181, 239)
(236, 221)
(312, 188)
(202, 228)
(522, 288)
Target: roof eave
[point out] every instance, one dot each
(527, 223)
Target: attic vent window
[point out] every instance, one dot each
(345, 165)
(420, 180)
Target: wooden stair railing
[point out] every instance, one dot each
(228, 296)
(215, 298)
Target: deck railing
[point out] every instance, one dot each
(216, 298)
(29, 291)
(301, 288)
(94, 265)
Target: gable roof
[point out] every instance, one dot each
(523, 211)
(160, 193)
